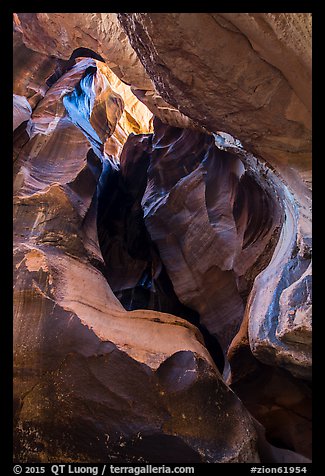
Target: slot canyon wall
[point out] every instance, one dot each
(162, 237)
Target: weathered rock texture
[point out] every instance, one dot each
(270, 392)
(102, 33)
(91, 380)
(30, 70)
(211, 221)
(229, 72)
(21, 110)
(211, 232)
(247, 74)
(282, 404)
(212, 68)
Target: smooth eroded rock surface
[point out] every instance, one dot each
(153, 253)
(211, 221)
(93, 381)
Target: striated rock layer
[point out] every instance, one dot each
(103, 34)
(233, 72)
(208, 216)
(216, 217)
(240, 74)
(211, 221)
(93, 381)
(177, 215)
(247, 74)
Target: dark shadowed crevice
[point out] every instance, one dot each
(62, 66)
(280, 402)
(134, 269)
(144, 230)
(175, 222)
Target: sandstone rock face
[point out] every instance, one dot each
(282, 404)
(282, 40)
(270, 392)
(247, 74)
(62, 33)
(204, 237)
(211, 222)
(30, 70)
(21, 110)
(188, 59)
(282, 336)
(93, 381)
(103, 34)
(250, 75)
(277, 321)
(213, 68)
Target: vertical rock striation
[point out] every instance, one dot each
(168, 215)
(92, 381)
(211, 221)
(249, 75)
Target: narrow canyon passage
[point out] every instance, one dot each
(140, 280)
(134, 269)
(164, 270)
